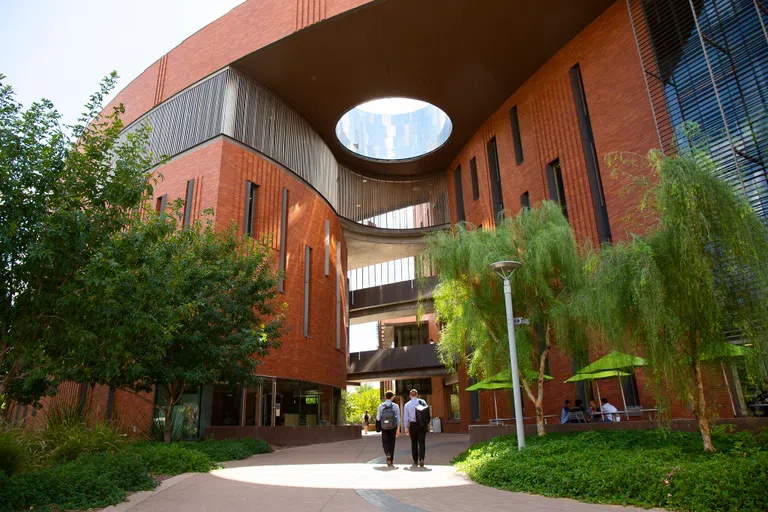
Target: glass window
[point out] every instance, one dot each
(250, 208)
(454, 404)
(556, 187)
(516, 135)
(410, 335)
(475, 185)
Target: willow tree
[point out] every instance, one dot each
(469, 298)
(699, 274)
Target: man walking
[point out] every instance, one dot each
(417, 431)
(388, 422)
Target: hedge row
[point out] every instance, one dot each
(655, 468)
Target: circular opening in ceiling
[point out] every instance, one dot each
(393, 129)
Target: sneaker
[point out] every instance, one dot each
(421, 463)
(389, 461)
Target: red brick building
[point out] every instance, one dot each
(523, 102)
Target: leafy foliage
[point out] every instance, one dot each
(64, 191)
(221, 450)
(603, 467)
(469, 299)
(364, 398)
(700, 272)
(170, 308)
(172, 459)
(93, 480)
(11, 453)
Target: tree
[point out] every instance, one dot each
(700, 272)
(166, 308)
(469, 299)
(365, 398)
(63, 192)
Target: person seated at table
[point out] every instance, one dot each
(610, 411)
(578, 406)
(591, 412)
(565, 411)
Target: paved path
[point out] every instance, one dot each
(348, 476)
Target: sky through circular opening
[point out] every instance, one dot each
(393, 129)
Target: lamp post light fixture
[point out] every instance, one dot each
(505, 269)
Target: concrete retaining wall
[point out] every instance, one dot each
(481, 433)
(288, 436)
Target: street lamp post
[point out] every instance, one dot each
(505, 269)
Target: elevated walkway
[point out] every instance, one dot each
(368, 245)
(418, 361)
(388, 301)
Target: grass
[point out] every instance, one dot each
(656, 468)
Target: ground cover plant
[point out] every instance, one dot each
(654, 468)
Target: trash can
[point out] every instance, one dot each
(436, 427)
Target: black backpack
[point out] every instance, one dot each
(423, 416)
(388, 418)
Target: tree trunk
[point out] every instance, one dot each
(170, 403)
(540, 419)
(700, 408)
(167, 435)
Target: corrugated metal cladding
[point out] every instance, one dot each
(231, 104)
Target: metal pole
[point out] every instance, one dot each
(515, 371)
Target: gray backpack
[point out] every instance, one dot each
(388, 418)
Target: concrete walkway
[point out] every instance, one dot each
(341, 477)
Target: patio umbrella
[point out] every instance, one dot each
(615, 361)
(730, 351)
(597, 376)
(502, 380)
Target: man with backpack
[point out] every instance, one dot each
(387, 422)
(416, 419)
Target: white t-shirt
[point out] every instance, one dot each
(607, 407)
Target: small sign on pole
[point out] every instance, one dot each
(522, 321)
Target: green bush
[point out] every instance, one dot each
(11, 453)
(230, 449)
(65, 431)
(172, 459)
(93, 480)
(655, 468)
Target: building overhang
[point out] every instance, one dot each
(465, 57)
(399, 363)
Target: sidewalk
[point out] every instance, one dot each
(345, 477)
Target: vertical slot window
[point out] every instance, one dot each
(525, 200)
(327, 247)
(283, 241)
(188, 202)
(250, 208)
(459, 195)
(475, 184)
(556, 187)
(590, 155)
(307, 269)
(161, 203)
(497, 197)
(516, 140)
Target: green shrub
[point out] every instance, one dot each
(11, 453)
(172, 459)
(657, 468)
(64, 432)
(230, 449)
(93, 480)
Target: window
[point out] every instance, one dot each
(497, 197)
(423, 386)
(459, 195)
(188, 202)
(411, 335)
(338, 296)
(555, 184)
(307, 268)
(590, 155)
(516, 135)
(283, 235)
(327, 247)
(250, 208)
(525, 200)
(160, 204)
(473, 172)
(454, 404)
